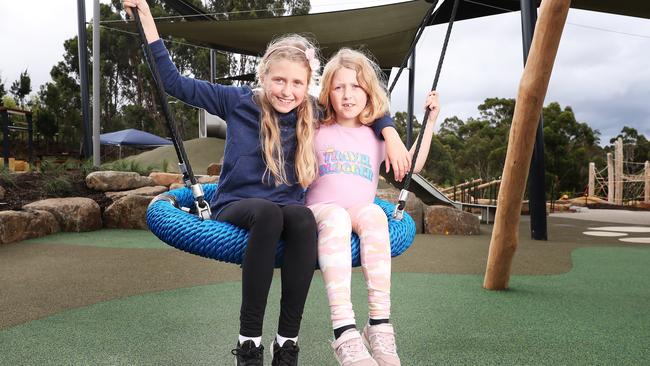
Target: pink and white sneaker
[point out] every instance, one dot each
(380, 339)
(349, 350)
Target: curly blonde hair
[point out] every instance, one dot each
(295, 48)
(370, 79)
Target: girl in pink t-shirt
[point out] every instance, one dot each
(341, 197)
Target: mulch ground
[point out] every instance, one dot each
(23, 188)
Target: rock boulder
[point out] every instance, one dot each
(74, 214)
(450, 221)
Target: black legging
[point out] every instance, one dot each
(266, 223)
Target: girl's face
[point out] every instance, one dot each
(347, 97)
(285, 84)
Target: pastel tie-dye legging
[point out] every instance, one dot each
(335, 259)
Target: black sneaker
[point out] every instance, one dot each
(248, 354)
(287, 355)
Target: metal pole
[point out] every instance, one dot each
(96, 86)
(536, 174)
(83, 74)
(409, 120)
(30, 138)
(5, 137)
(213, 66)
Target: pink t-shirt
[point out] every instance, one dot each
(348, 165)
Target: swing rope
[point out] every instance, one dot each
(202, 208)
(403, 195)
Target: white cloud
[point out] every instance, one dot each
(603, 75)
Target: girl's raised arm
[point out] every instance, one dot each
(434, 106)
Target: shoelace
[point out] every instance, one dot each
(287, 355)
(384, 341)
(250, 354)
(351, 348)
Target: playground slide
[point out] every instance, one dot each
(426, 191)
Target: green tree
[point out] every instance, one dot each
(21, 88)
(569, 146)
(439, 167)
(46, 126)
(128, 97)
(636, 147)
(479, 144)
(400, 119)
(8, 101)
(2, 90)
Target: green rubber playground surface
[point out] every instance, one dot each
(177, 309)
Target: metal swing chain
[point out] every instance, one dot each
(202, 208)
(398, 213)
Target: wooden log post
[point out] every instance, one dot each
(618, 171)
(592, 180)
(610, 178)
(646, 196)
(530, 100)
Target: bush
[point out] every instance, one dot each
(58, 186)
(7, 178)
(129, 166)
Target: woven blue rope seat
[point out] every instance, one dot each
(225, 242)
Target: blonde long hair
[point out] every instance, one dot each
(370, 79)
(295, 48)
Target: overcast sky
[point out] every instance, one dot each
(602, 69)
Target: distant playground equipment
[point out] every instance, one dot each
(475, 196)
(11, 125)
(620, 182)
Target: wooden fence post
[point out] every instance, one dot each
(611, 185)
(646, 197)
(592, 180)
(618, 171)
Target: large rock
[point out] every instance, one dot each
(165, 179)
(128, 212)
(74, 214)
(21, 225)
(450, 221)
(143, 191)
(207, 179)
(176, 186)
(116, 181)
(414, 205)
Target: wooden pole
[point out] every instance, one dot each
(610, 178)
(592, 179)
(530, 100)
(618, 172)
(646, 197)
